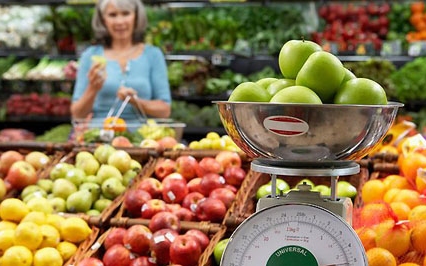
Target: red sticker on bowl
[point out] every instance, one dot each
(286, 126)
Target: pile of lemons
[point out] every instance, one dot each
(214, 141)
(34, 235)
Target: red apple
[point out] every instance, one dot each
(167, 142)
(7, 158)
(191, 200)
(91, 261)
(152, 207)
(160, 245)
(164, 219)
(151, 185)
(142, 261)
(187, 166)
(185, 214)
(200, 236)
(117, 255)
(228, 158)
(185, 250)
(194, 185)
(21, 174)
(234, 175)
(209, 165)
(121, 141)
(232, 188)
(211, 181)
(210, 209)
(134, 199)
(174, 188)
(164, 167)
(223, 194)
(137, 239)
(115, 236)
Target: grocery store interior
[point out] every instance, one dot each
(216, 183)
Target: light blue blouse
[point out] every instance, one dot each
(147, 74)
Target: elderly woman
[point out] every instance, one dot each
(129, 67)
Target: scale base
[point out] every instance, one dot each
(341, 206)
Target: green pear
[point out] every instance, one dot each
(112, 188)
(76, 175)
(63, 188)
(79, 201)
(90, 166)
(305, 181)
(40, 204)
(346, 189)
(93, 212)
(58, 204)
(107, 171)
(135, 165)
(102, 153)
(323, 189)
(60, 170)
(35, 194)
(93, 188)
(28, 190)
(82, 156)
(129, 176)
(121, 160)
(45, 184)
(101, 204)
(93, 179)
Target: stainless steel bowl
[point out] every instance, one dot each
(306, 132)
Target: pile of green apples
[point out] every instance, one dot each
(344, 188)
(311, 75)
(88, 185)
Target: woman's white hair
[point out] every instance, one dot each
(100, 31)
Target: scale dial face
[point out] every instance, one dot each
(294, 235)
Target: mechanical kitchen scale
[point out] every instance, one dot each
(301, 227)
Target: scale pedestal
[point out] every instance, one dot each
(341, 206)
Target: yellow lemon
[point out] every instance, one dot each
(13, 209)
(212, 135)
(40, 204)
(17, 256)
(28, 234)
(35, 217)
(47, 257)
(7, 225)
(66, 249)
(55, 220)
(51, 236)
(7, 238)
(75, 230)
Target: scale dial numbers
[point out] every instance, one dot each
(294, 235)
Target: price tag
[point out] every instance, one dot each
(221, 59)
(417, 48)
(364, 49)
(391, 48)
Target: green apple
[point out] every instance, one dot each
(346, 189)
(76, 175)
(79, 201)
(45, 184)
(102, 204)
(99, 59)
(102, 152)
(63, 188)
(306, 181)
(121, 160)
(293, 55)
(265, 82)
(280, 84)
(219, 248)
(106, 171)
(112, 188)
(93, 188)
(323, 73)
(90, 166)
(60, 170)
(348, 75)
(58, 204)
(361, 91)
(249, 92)
(323, 189)
(296, 94)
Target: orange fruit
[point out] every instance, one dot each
(396, 181)
(394, 237)
(367, 236)
(417, 214)
(380, 257)
(408, 264)
(409, 197)
(418, 237)
(373, 214)
(410, 163)
(400, 209)
(115, 123)
(390, 195)
(421, 180)
(389, 149)
(373, 190)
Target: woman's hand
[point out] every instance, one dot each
(123, 92)
(97, 76)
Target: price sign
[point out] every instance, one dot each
(391, 48)
(417, 48)
(221, 59)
